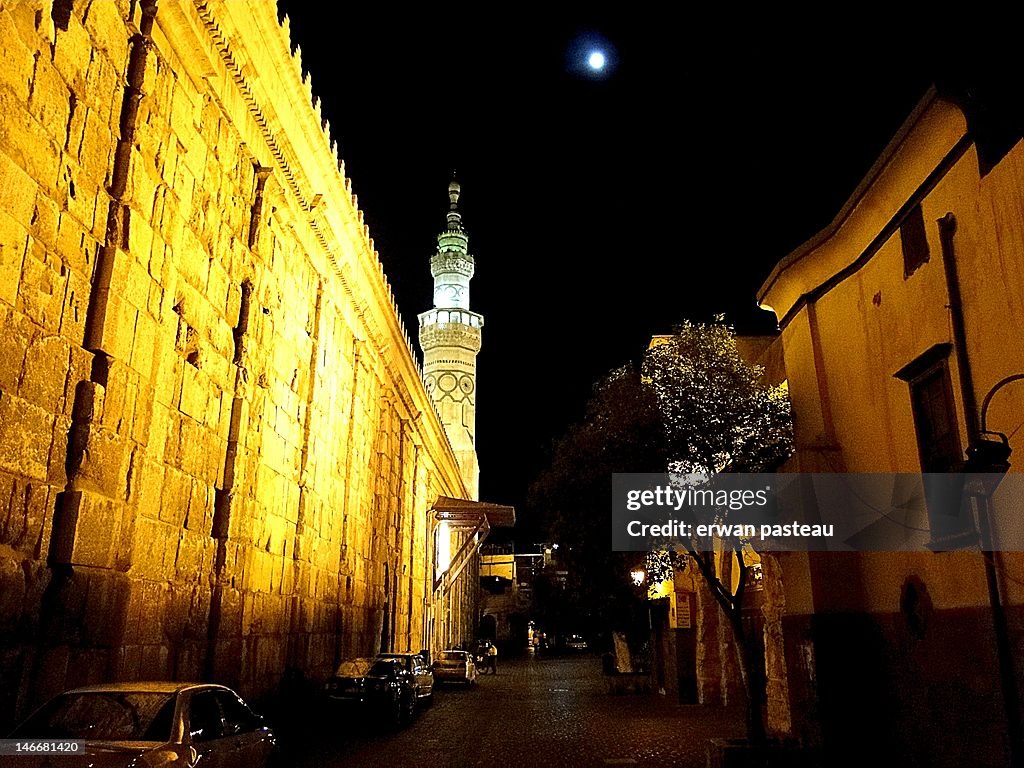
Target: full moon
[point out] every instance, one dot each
(596, 60)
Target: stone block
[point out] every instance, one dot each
(157, 305)
(192, 260)
(57, 467)
(42, 289)
(117, 328)
(46, 372)
(153, 553)
(154, 662)
(53, 670)
(74, 138)
(71, 55)
(145, 403)
(26, 142)
(44, 220)
(103, 605)
(14, 242)
(145, 349)
(97, 146)
(50, 100)
(191, 557)
(194, 392)
(151, 489)
(29, 515)
(16, 62)
(107, 30)
(231, 612)
(12, 594)
(136, 283)
(174, 499)
(141, 191)
(76, 302)
(79, 194)
(156, 262)
(17, 191)
(88, 526)
(101, 466)
(75, 245)
(200, 507)
(25, 435)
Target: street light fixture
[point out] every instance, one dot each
(638, 575)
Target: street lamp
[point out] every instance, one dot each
(638, 575)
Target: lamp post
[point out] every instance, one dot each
(988, 457)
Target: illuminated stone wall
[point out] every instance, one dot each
(216, 452)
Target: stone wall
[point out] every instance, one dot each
(216, 454)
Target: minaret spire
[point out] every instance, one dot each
(450, 337)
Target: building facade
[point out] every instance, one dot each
(900, 339)
(217, 456)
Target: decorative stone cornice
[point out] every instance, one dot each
(450, 335)
(452, 261)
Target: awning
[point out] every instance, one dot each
(467, 512)
(476, 518)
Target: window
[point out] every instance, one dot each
(914, 240)
(238, 718)
(937, 439)
(205, 721)
(938, 443)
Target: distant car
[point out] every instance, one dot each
(455, 667)
(129, 725)
(422, 674)
(380, 688)
(576, 643)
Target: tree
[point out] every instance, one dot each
(718, 415)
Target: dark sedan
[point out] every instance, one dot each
(381, 688)
(130, 725)
(422, 673)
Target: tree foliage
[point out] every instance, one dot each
(717, 413)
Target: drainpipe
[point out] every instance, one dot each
(1007, 676)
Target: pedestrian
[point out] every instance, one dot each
(492, 658)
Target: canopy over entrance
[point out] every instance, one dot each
(475, 518)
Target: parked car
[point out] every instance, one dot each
(455, 667)
(422, 675)
(124, 725)
(380, 688)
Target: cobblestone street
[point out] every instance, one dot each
(535, 712)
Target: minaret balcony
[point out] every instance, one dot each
(451, 317)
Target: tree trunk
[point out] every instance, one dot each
(754, 682)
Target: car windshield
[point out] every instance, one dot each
(382, 668)
(354, 668)
(404, 661)
(102, 716)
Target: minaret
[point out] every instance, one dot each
(450, 340)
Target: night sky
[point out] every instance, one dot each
(601, 210)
